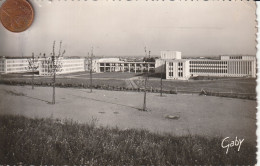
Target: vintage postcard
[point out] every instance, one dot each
(138, 82)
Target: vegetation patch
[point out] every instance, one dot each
(58, 142)
(243, 88)
(14, 93)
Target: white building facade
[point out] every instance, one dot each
(170, 55)
(226, 66)
(20, 65)
(64, 65)
(117, 65)
(177, 69)
(223, 68)
(2, 65)
(166, 55)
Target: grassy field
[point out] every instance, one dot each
(238, 85)
(198, 115)
(232, 85)
(52, 141)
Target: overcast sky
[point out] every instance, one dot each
(196, 28)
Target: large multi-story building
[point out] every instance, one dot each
(14, 65)
(63, 65)
(43, 65)
(117, 65)
(226, 66)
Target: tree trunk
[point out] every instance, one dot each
(54, 81)
(144, 105)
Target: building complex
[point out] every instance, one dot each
(169, 63)
(227, 66)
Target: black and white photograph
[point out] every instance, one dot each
(128, 82)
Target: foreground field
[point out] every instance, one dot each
(48, 141)
(198, 115)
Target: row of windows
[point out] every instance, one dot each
(244, 68)
(125, 64)
(180, 74)
(69, 65)
(17, 61)
(208, 70)
(72, 62)
(15, 65)
(15, 69)
(45, 70)
(179, 68)
(137, 66)
(179, 63)
(72, 69)
(235, 57)
(112, 64)
(202, 66)
(208, 62)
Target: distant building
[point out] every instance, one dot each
(14, 65)
(66, 65)
(117, 65)
(226, 66)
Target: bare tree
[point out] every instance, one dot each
(56, 66)
(32, 66)
(144, 104)
(53, 66)
(162, 68)
(145, 82)
(91, 65)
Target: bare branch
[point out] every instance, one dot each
(53, 49)
(60, 49)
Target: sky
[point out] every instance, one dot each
(122, 28)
